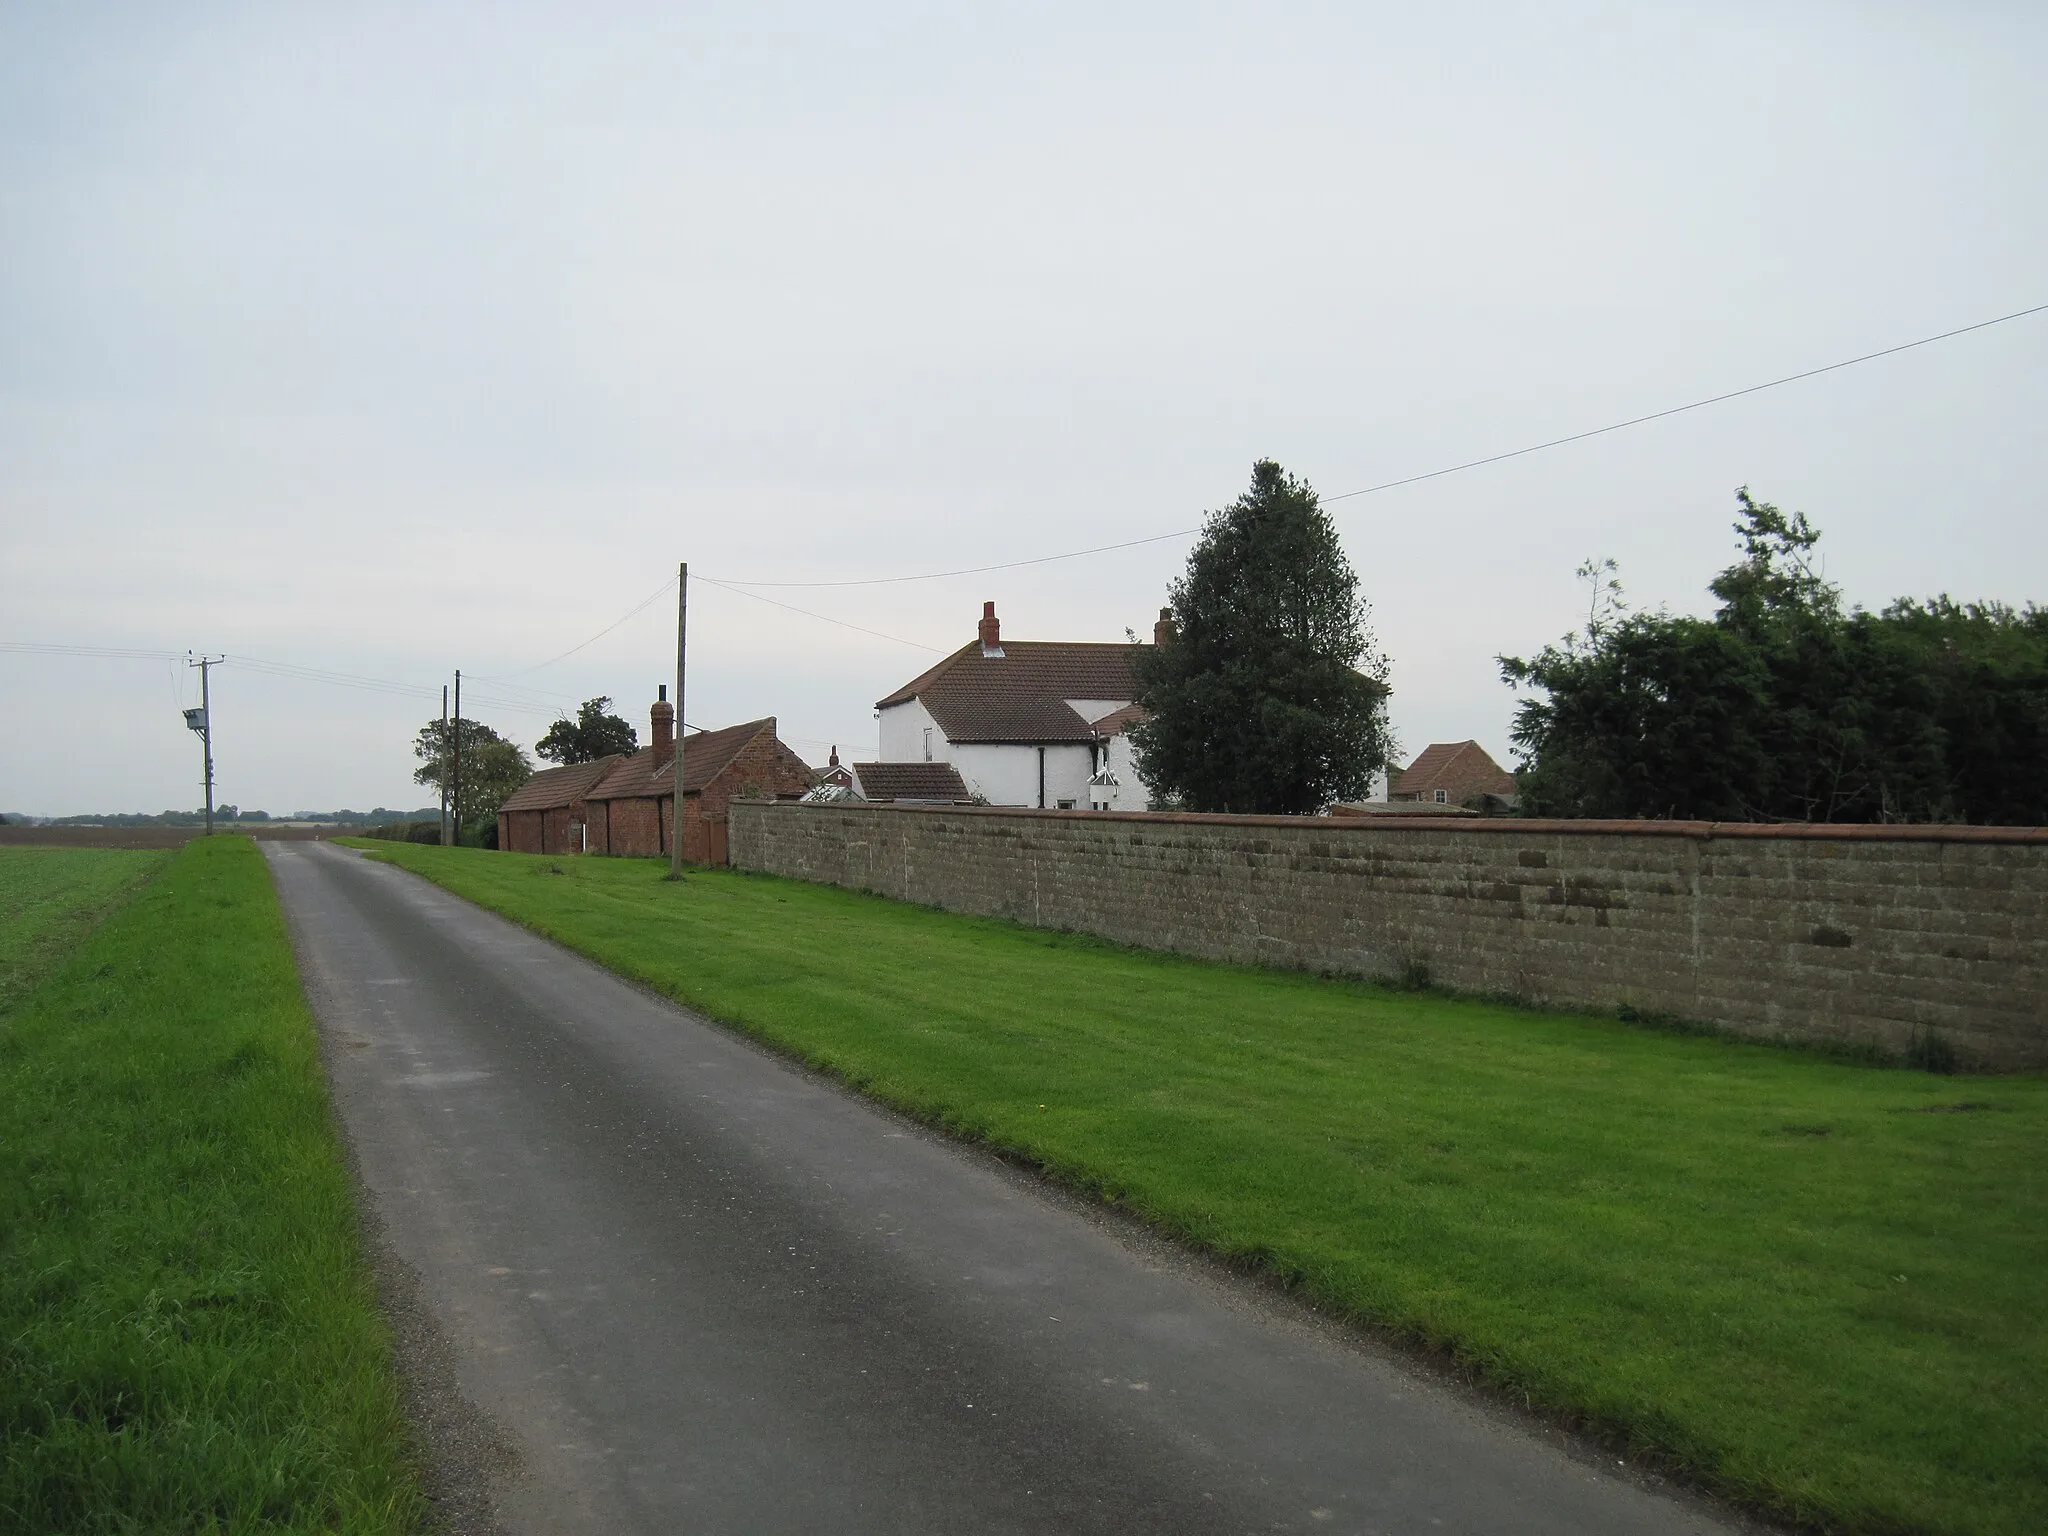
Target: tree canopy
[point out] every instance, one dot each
(593, 734)
(1786, 706)
(1268, 695)
(492, 768)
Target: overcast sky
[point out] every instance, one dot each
(383, 340)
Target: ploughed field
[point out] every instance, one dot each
(1813, 1284)
(189, 1337)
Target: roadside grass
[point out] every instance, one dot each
(51, 898)
(189, 1336)
(1815, 1285)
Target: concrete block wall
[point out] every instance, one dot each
(1856, 935)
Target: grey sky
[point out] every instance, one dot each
(390, 339)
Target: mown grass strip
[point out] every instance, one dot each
(1812, 1284)
(189, 1337)
(51, 898)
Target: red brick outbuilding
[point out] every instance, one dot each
(546, 814)
(626, 805)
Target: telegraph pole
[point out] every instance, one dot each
(455, 795)
(205, 728)
(444, 777)
(675, 841)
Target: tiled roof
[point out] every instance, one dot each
(1397, 808)
(910, 781)
(1116, 722)
(1461, 767)
(705, 754)
(1021, 695)
(552, 788)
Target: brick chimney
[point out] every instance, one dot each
(991, 631)
(834, 763)
(1163, 632)
(663, 719)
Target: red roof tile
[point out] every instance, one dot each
(552, 788)
(910, 781)
(705, 754)
(1116, 722)
(1461, 768)
(1021, 695)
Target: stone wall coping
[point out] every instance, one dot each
(1701, 831)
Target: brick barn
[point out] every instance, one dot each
(626, 805)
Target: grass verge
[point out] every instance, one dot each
(1812, 1284)
(51, 898)
(189, 1337)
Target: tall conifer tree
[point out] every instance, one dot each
(1268, 695)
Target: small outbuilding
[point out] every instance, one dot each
(547, 813)
(626, 805)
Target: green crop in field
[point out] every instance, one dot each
(50, 898)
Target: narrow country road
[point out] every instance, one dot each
(699, 1290)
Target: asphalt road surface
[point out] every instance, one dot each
(688, 1287)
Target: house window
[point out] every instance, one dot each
(927, 743)
(1066, 805)
(1443, 797)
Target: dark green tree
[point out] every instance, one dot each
(1787, 706)
(492, 768)
(593, 734)
(1268, 694)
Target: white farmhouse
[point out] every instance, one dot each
(1031, 722)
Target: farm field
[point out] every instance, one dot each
(191, 1337)
(1812, 1284)
(50, 899)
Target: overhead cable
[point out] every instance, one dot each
(1434, 474)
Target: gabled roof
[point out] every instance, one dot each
(553, 788)
(1021, 694)
(1117, 721)
(705, 756)
(910, 781)
(1462, 766)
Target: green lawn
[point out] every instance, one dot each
(1816, 1285)
(189, 1338)
(50, 898)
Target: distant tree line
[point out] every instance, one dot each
(221, 814)
(1787, 705)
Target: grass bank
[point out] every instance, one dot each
(51, 898)
(189, 1338)
(1812, 1284)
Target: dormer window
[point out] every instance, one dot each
(1443, 796)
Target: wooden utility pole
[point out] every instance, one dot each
(205, 729)
(675, 839)
(444, 777)
(455, 747)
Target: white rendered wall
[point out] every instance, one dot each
(903, 728)
(1008, 775)
(1130, 790)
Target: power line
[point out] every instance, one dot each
(1733, 394)
(1434, 474)
(822, 618)
(338, 679)
(632, 613)
(282, 669)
